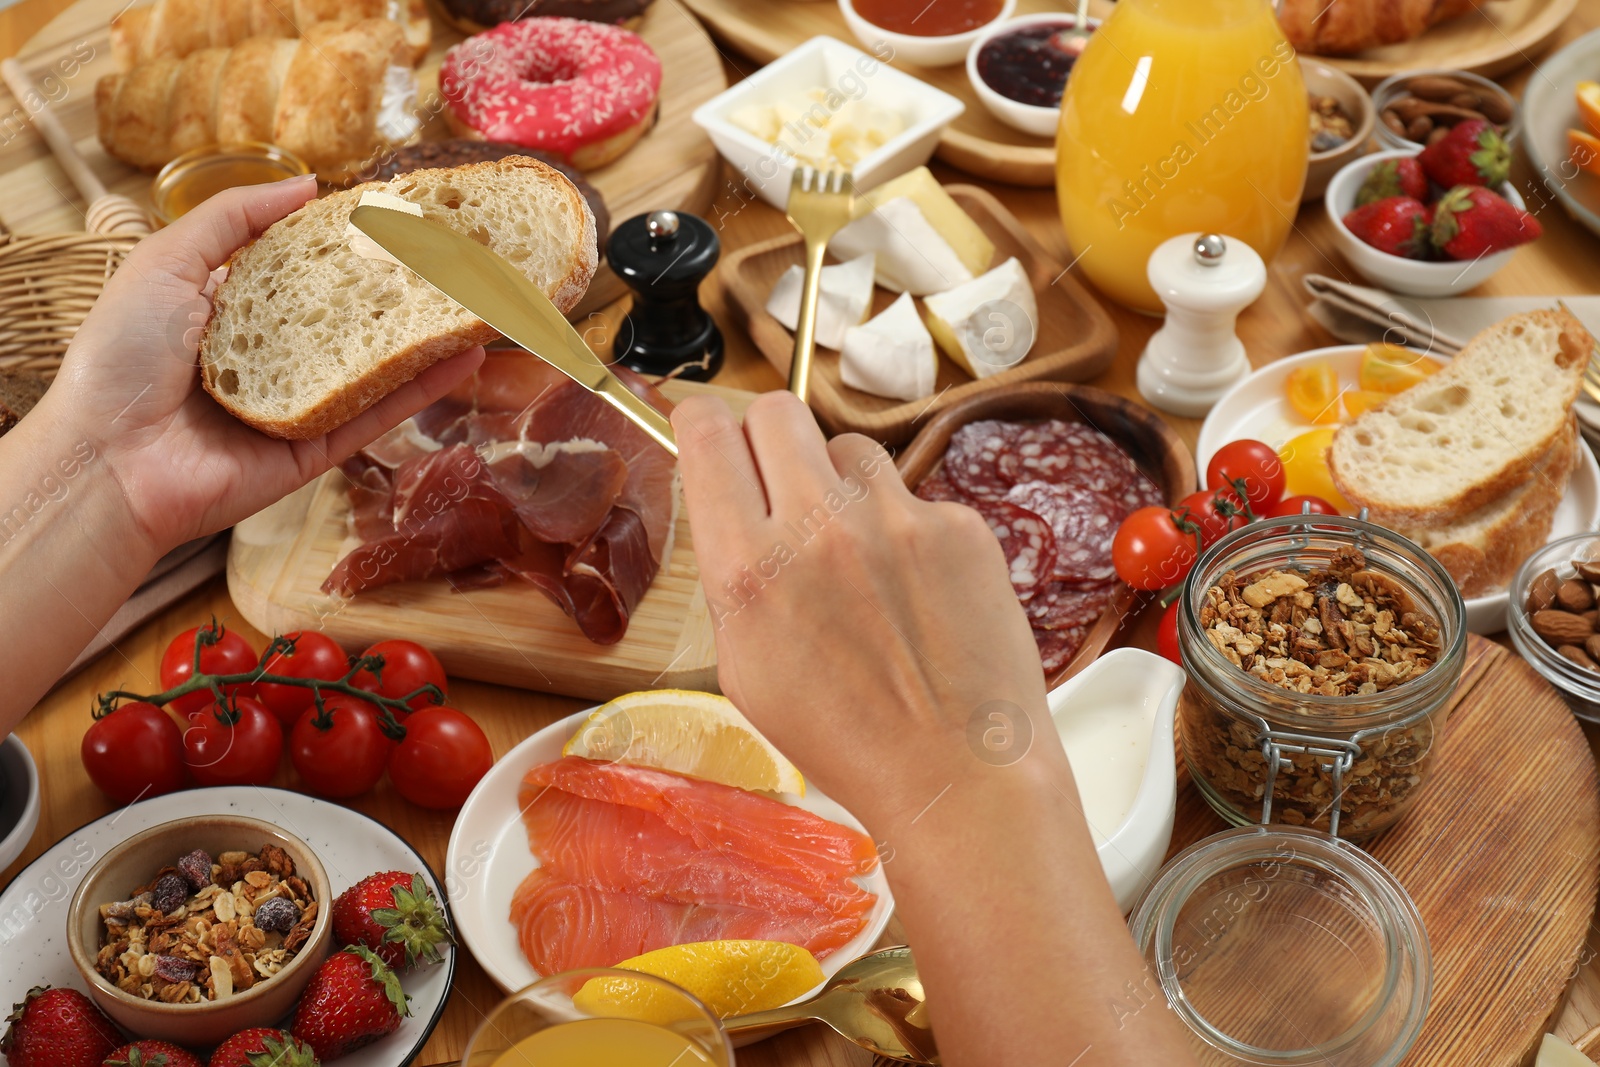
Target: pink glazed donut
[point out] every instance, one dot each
(583, 91)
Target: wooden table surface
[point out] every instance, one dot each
(1565, 261)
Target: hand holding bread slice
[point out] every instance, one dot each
(305, 333)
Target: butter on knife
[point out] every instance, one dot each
(366, 247)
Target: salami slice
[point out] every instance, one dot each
(973, 459)
(1026, 539)
(1062, 606)
(937, 487)
(1141, 492)
(1067, 454)
(1057, 647)
(1084, 524)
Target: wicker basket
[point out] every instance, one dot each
(47, 285)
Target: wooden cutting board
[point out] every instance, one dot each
(511, 634)
(1501, 854)
(673, 166)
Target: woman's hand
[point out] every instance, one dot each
(130, 383)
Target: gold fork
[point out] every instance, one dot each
(1591, 371)
(820, 203)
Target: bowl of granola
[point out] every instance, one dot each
(197, 928)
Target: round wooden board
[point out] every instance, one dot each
(1501, 36)
(1501, 854)
(673, 166)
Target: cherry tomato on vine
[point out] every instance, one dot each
(342, 753)
(1150, 551)
(1295, 505)
(1255, 463)
(1217, 512)
(442, 757)
(407, 667)
(1167, 633)
(134, 752)
(314, 656)
(231, 654)
(237, 745)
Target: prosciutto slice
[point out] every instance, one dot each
(518, 473)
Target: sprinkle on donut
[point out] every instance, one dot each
(555, 84)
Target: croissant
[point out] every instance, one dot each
(172, 29)
(319, 96)
(1343, 27)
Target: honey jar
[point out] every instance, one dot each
(199, 174)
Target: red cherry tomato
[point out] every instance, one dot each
(1296, 505)
(231, 654)
(345, 757)
(1167, 633)
(407, 667)
(1150, 551)
(314, 656)
(1253, 462)
(442, 757)
(135, 752)
(237, 747)
(1218, 513)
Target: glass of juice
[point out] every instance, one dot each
(600, 1016)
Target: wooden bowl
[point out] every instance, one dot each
(1589, 1043)
(1325, 80)
(1140, 432)
(133, 863)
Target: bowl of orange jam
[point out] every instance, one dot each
(925, 35)
(199, 174)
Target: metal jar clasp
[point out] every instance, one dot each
(1340, 757)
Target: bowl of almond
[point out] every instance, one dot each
(195, 929)
(1555, 605)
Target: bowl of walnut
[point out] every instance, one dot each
(1552, 619)
(198, 928)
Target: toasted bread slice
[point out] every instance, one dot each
(305, 333)
(1484, 550)
(1470, 434)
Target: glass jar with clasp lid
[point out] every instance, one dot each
(1280, 941)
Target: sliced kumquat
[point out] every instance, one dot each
(1314, 393)
(1387, 368)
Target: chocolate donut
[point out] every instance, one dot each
(475, 16)
(461, 150)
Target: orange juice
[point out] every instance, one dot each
(612, 1042)
(1181, 115)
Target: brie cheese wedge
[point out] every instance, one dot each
(366, 247)
(989, 324)
(912, 256)
(891, 355)
(1554, 1052)
(843, 302)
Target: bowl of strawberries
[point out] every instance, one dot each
(1434, 221)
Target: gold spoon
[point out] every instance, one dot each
(875, 1001)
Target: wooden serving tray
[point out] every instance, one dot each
(511, 634)
(976, 141)
(1497, 38)
(1077, 339)
(672, 166)
(1154, 445)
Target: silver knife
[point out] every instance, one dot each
(482, 282)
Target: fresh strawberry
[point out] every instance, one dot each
(148, 1053)
(263, 1046)
(1393, 177)
(395, 915)
(58, 1028)
(1472, 153)
(1470, 222)
(353, 999)
(1398, 226)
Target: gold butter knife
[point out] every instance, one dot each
(485, 284)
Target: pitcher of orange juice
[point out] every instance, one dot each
(1180, 116)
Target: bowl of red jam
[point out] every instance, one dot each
(1019, 69)
(925, 35)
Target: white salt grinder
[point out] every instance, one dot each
(1205, 280)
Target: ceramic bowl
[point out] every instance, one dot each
(134, 862)
(1397, 274)
(1322, 79)
(19, 799)
(1029, 118)
(910, 48)
(1392, 88)
(1550, 109)
(824, 63)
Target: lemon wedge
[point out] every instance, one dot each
(700, 734)
(729, 977)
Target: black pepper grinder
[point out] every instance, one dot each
(663, 256)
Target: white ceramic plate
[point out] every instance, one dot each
(489, 858)
(1549, 109)
(1258, 408)
(33, 909)
(19, 799)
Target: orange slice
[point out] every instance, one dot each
(1585, 148)
(1589, 105)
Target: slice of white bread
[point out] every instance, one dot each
(1467, 436)
(305, 334)
(1484, 550)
